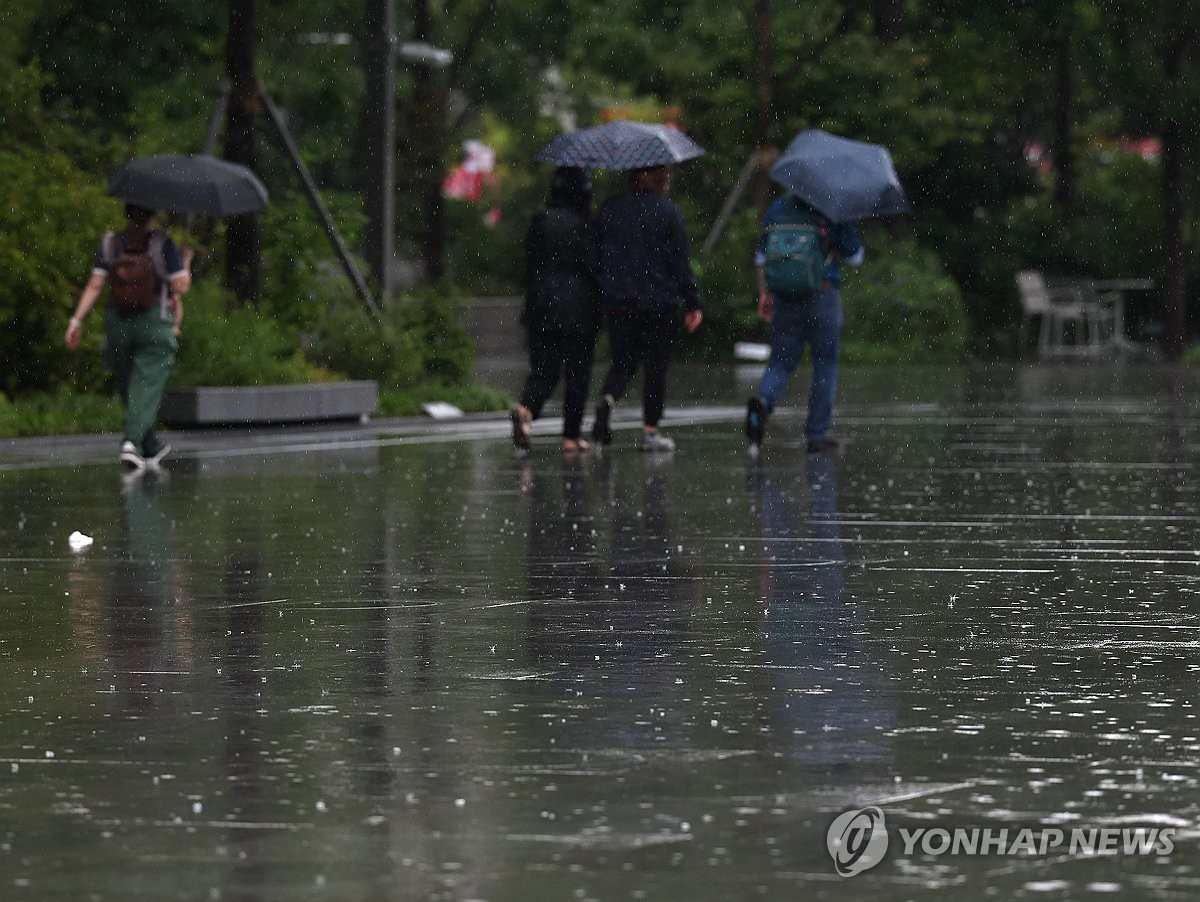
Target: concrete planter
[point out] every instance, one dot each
(309, 403)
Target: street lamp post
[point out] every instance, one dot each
(379, 187)
(379, 195)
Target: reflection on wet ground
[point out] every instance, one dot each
(418, 668)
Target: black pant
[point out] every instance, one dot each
(642, 338)
(551, 353)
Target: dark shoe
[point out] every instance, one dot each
(756, 422)
(601, 431)
(522, 427)
(822, 445)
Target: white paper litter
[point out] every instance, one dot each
(78, 541)
(440, 410)
(751, 350)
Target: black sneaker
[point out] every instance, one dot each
(756, 423)
(822, 445)
(601, 431)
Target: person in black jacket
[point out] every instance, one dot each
(562, 306)
(649, 290)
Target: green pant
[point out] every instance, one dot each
(141, 351)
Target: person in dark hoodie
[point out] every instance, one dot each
(649, 290)
(562, 306)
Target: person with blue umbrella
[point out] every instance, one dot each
(808, 233)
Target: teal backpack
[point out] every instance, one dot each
(795, 251)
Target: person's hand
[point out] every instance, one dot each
(692, 320)
(766, 306)
(74, 334)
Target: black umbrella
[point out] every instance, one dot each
(189, 183)
(846, 180)
(620, 145)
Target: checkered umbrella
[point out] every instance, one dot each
(846, 180)
(620, 145)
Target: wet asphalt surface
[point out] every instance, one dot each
(396, 662)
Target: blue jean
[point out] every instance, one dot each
(816, 322)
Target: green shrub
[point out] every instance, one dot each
(59, 414)
(300, 274)
(420, 340)
(51, 220)
(404, 402)
(224, 344)
(728, 289)
(902, 307)
(1191, 356)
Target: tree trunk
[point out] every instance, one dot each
(1064, 154)
(764, 114)
(1173, 300)
(243, 238)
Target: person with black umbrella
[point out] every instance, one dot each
(148, 277)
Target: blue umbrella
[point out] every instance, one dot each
(843, 179)
(620, 145)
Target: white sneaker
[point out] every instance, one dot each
(157, 459)
(656, 442)
(131, 457)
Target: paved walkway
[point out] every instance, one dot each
(396, 662)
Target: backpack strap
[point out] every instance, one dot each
(110, 248)
(156, 246)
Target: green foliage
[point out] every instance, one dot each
(1192, 356)
(224, 344)
(728, 289)
(300, 277)
(901, 307)
(956, 97)
(420, 341)
(102, 57)
(1113, 234)
(51, 219)
(405, 402)
(59, 414)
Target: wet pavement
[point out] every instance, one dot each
(394, 662)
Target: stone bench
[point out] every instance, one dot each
(307, 403)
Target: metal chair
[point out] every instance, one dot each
(1109, 297)
(1068, 322)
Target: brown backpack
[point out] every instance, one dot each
(133, 275)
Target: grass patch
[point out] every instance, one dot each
(59, 414)
(406, 402)
(77, 414)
